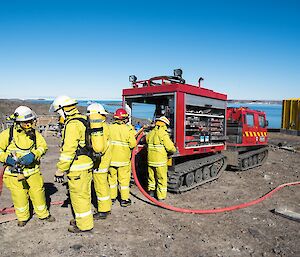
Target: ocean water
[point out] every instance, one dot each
(273, 111)
(110, 106)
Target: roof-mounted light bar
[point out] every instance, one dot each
(178, 73)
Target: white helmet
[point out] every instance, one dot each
(96, 108)
(62, 101)
(24, 113)
(163, 119)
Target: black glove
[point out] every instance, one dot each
(59, 177)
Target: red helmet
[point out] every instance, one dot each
(120, 114)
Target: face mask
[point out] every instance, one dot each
(61, 113)
(27, 126)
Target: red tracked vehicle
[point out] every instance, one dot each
(247, 138)
(198, 127)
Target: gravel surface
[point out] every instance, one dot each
(144, 229)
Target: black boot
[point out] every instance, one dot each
(151, 193)
(49, 218)
(101, 215)
(75, 229)
(22, 223)
(72, 222)
(125, 203)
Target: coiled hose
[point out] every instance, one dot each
(199, 211)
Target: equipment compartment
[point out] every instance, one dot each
(203, 125)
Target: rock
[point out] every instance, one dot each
(76, 247)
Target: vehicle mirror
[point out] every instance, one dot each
(266, 123)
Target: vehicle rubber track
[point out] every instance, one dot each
(191, 174)
(252, 159)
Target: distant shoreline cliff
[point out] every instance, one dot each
(255, 101)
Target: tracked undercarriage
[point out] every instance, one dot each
(253, 158)
(248, 159)
(190, 174)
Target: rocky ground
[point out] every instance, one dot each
(143, 229)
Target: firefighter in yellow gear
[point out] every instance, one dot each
(122, 142)
(75, 160)
(21, 148)
(99, 133)
(159, 146)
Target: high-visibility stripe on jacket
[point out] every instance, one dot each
(122, 141)
(159, 144)
(73, 136)
(20, 145)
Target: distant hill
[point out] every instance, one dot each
(255, 101)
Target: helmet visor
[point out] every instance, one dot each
(53, 108)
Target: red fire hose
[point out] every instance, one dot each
(2, 168)
(177, 209)
(205, 211)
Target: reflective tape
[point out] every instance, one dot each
(117, 164)
(254, 134)
(65, 157)
(96, 121)
(18, 152)
(157, 164)
(101, 170)
(97, 134)
(113, 186)
(124, 187)
(83, 214)
(104, 198)
(22, 209)
(76, 167)
(40, 149)
(41, 207)
(163, 189)
(120, 143)
(151, 146)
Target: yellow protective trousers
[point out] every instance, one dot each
(33, 187)
(158, 180)
(80, 193)
(122, 175)
(101, 185)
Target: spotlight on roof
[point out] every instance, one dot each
(132, 78)
(178, 73)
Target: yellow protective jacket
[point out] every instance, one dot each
(122, 141)
(73, 137)
(100, 138)
(159, 145)
(20, 145)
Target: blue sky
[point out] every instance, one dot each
(87, 49)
